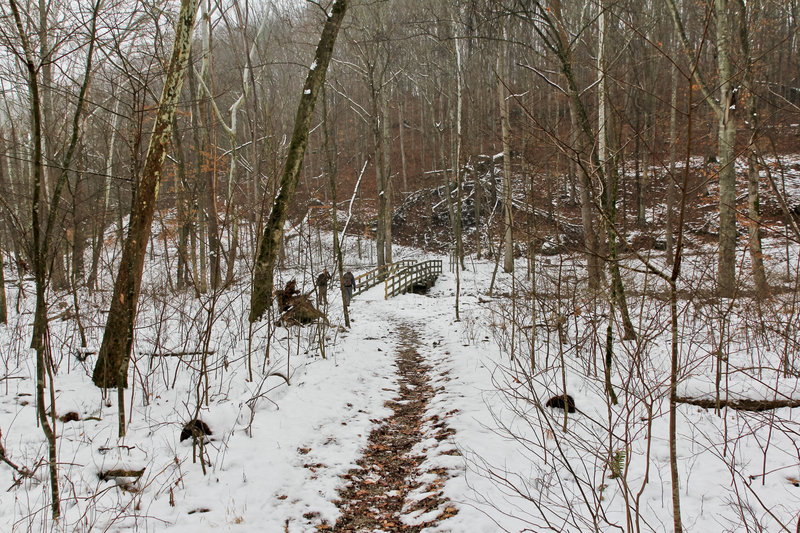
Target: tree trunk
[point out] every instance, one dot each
(448, 195)
(726, 154)
(269, 247)
(673, 412)
(753, 199)
(477, 187)
(57, 272)
(607, 170)
(111, 369)
(42, 240)
(457, 164)
(212, 221)
(39, 265)
(231, 211)
(673, 150)
(197, 236)
(726, 122)
(583, 141)
(502, 94)
(100, 226)
(78, 230)
(380, 178)
(586, 194)
(673, 300)
(641, 182)
(386, 142)
(401, 121)
(3, 305)
(208, 153)
(184, 224)
(332, 175)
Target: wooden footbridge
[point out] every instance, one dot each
(400, 277)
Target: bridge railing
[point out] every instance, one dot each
(367, 280)
(401, 281)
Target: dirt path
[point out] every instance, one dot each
(388, 483)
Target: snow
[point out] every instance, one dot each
(278, 452)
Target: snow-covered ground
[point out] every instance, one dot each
(277, 452)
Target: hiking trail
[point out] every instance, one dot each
(388, 491)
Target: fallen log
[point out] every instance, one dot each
(741, 404)
(178, 354)
(120, 473)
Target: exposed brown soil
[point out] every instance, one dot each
(376, 493)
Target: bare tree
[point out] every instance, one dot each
(555, 36)
(724, 108)
(111, 369)
(44, 227)
(3, 304)
(503, 96)
(753, 153)
(267, 257)
(330, 156)
(375, 64)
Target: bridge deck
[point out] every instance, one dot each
(403, 280)
(367, 280)
(400, 277)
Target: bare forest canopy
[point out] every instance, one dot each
(413, 94)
